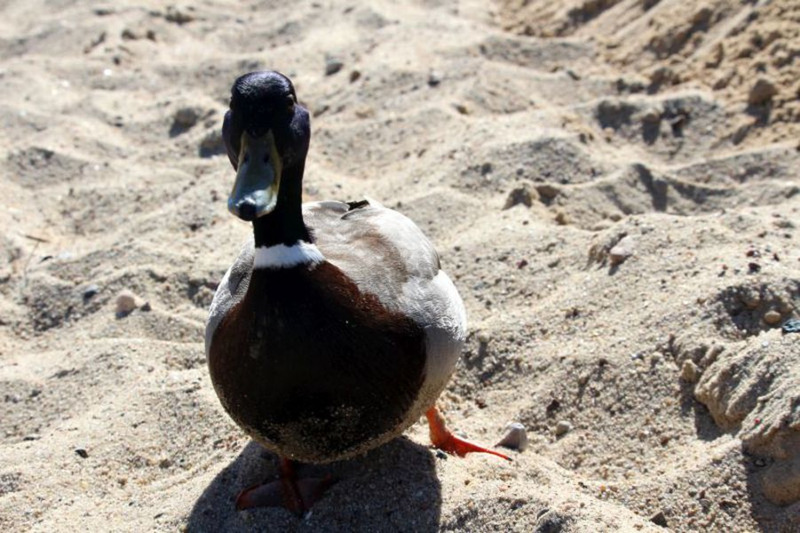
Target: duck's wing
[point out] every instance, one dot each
(384, 253)
(231, 290)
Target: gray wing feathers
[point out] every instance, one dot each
(231, 290)
(387, 255)
(378, 248)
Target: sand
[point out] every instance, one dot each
(621, 225)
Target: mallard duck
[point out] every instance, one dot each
(336, 328)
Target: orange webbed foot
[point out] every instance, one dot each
(443, 439)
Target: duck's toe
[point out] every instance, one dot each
(442, 438)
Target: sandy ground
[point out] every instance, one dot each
(621, 224)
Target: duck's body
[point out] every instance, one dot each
(328, 349)
(335, 329)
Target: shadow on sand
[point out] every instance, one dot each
(392, 488)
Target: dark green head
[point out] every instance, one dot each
(266, 133)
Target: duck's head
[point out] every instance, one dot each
(266, 134)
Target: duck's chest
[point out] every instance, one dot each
(307, 350)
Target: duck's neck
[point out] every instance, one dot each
(284, 225)
(282, 239)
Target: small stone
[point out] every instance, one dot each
(434, 79)
(651, 116)
(126, 302)
(177, 16)
(562, 428)
(791, 326)
(772, 317)
(516, 438)
(354, 76)
(659, 519)
(521, 195)
(333, 65)
(90, 292)
(762, 92)
(622, 250)
(751, 299)
(689, 371)
(83, 454)
(549, 522)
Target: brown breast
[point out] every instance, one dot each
(312, 367)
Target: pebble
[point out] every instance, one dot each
(762, 92)
(549, 522)
(772, 317)
(652, 116)
(751, 299)
(83, 454)
(659, 519)
(622, 250)
(333, 65)
(562, 428)
(178, 16)
(90, 291)
(516, 437)
(126, 302)
(791, 326)
(434, 79)
(689, 371)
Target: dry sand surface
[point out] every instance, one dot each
(614, 186)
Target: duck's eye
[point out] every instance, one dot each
(289, 103)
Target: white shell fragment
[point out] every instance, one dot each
(516, 438)
(562, 428)
(127, 302)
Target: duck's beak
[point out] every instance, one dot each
(258, 177)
